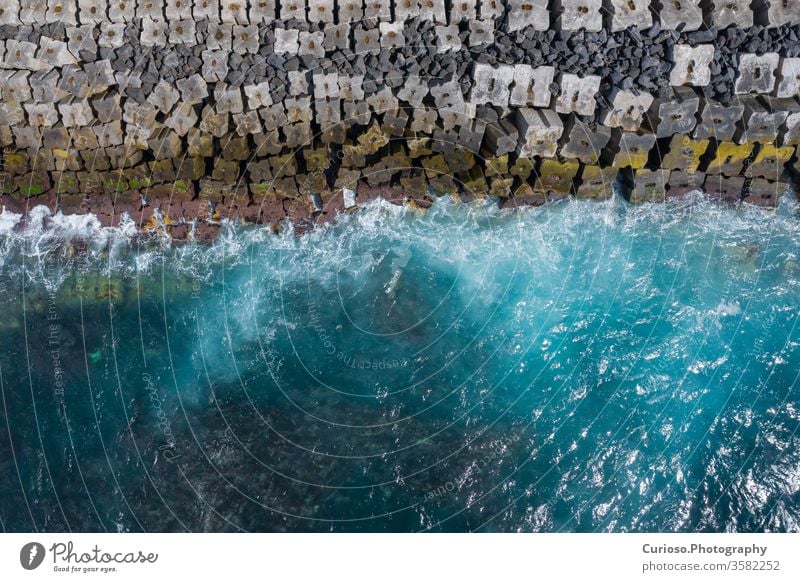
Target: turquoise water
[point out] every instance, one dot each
(579, 367)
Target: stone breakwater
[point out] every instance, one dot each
(183, 112)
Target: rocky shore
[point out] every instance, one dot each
(183, 112)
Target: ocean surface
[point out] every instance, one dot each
(577, 367)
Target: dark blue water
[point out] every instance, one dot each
(580, 367)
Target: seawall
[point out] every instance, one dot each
(181, 111)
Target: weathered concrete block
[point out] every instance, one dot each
(228, 99)
(358, 113)
(245, 39)
(326, 86)
(65, 11)
(719, 121)
(413, 92)
(783, 12)
(93, 11)
(531, 86)
(448, 96)
(627, 13)
(481, 33)
(41, 114)
(99, 75)
(154, 32)
(761, 122)
(647, 185)
(219, 36)
(766, 194)
(392, 35)
(261, 11)
(732, 12)
(675, 13)
(378, 9)
(631, 150)
(320, 11)
(462, 10)
(680, 183)
(20, 55)
(215, 65)
(788, 83)
(44, 87)
(792, 134)
(577, 95)
(540, 130)
(273, 116)
(182, 118)
(406, 9)
(75, 81)
(367, 41)
(17, 88)
(75, 112)
(298, 109)
(33, 12)
(9, 13)
(383, 100)
(757, 73)
(491, 10)
(578, 14)
(447, 38)
(182, 32)
(121, 11)
(725, 189)
(584, 142)
(691, 65)
(523, 13)
(54, 52)
(595, 183)
(337, 36)
(247, 124)
(433, 10)
(193, 89)
(258, 95)
(502, 137)
(286, 41)
(143, 115)
(235, 11)
(729, 158)
(674, 114)
(206, 10)
(627, 109)
(491, 84)
(311, 44)
(770, 161)
(107, 107)
(109, 134)
(684, 154)
(111, 34)
(555, 178)
(349, 11)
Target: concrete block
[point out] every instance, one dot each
(245, 39)
(75, 112)
(680, 183)
(41, 114)
(627, 13)
(274, 116)
(413, 92)
(462, 10)
(54, 52)
(9, 13)
(684, 154)
(433, 10)
(235, 11)
(351, 89)
(206, 10)
(261, 11)
(729, 158)
(44, 87)
(326, 86)
(321, 11)
(298, 110)
(595, 182)
(121, 11)
(337, 36)
(491, 84)
(33, 13)
(215, 65)
(153, 9)
(791, 134)
(65, 11)
(447, 39)
(448, 96)
(247, 123)
(540, 130)
(531, 86)
(258, 95)
(757, 73)
(732, 13)
(311, 44)
(228, 99)
(182, 32)
(761, 121)
(783, 12)
(16, 87)
(99, 75)
(406, 9)
(675, 13)
(524, 13)
(382, 101)
(107, 107)
(579, 14)
(358, 113)
(193, 89)
(788, 82)
(491, 10)
(718, 121)
(154, 32)
(143, 115)
(765, 193)
(719, 187)
(584, 142)
(673, 114)
(770, 161)
(163, 97)
(109, 134)
(577, 95)
(286, 41)
(20, 55)
(349, 11)
(631, 150)
(182, 118)
(93, 11)
(501, 137)
(627, 109)
(367, 41)
(555, 178)
(691, 65)
(219, 37)
(392, 35)
(111, 34)
(481, 33)
(648, 186)
(378, 9)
